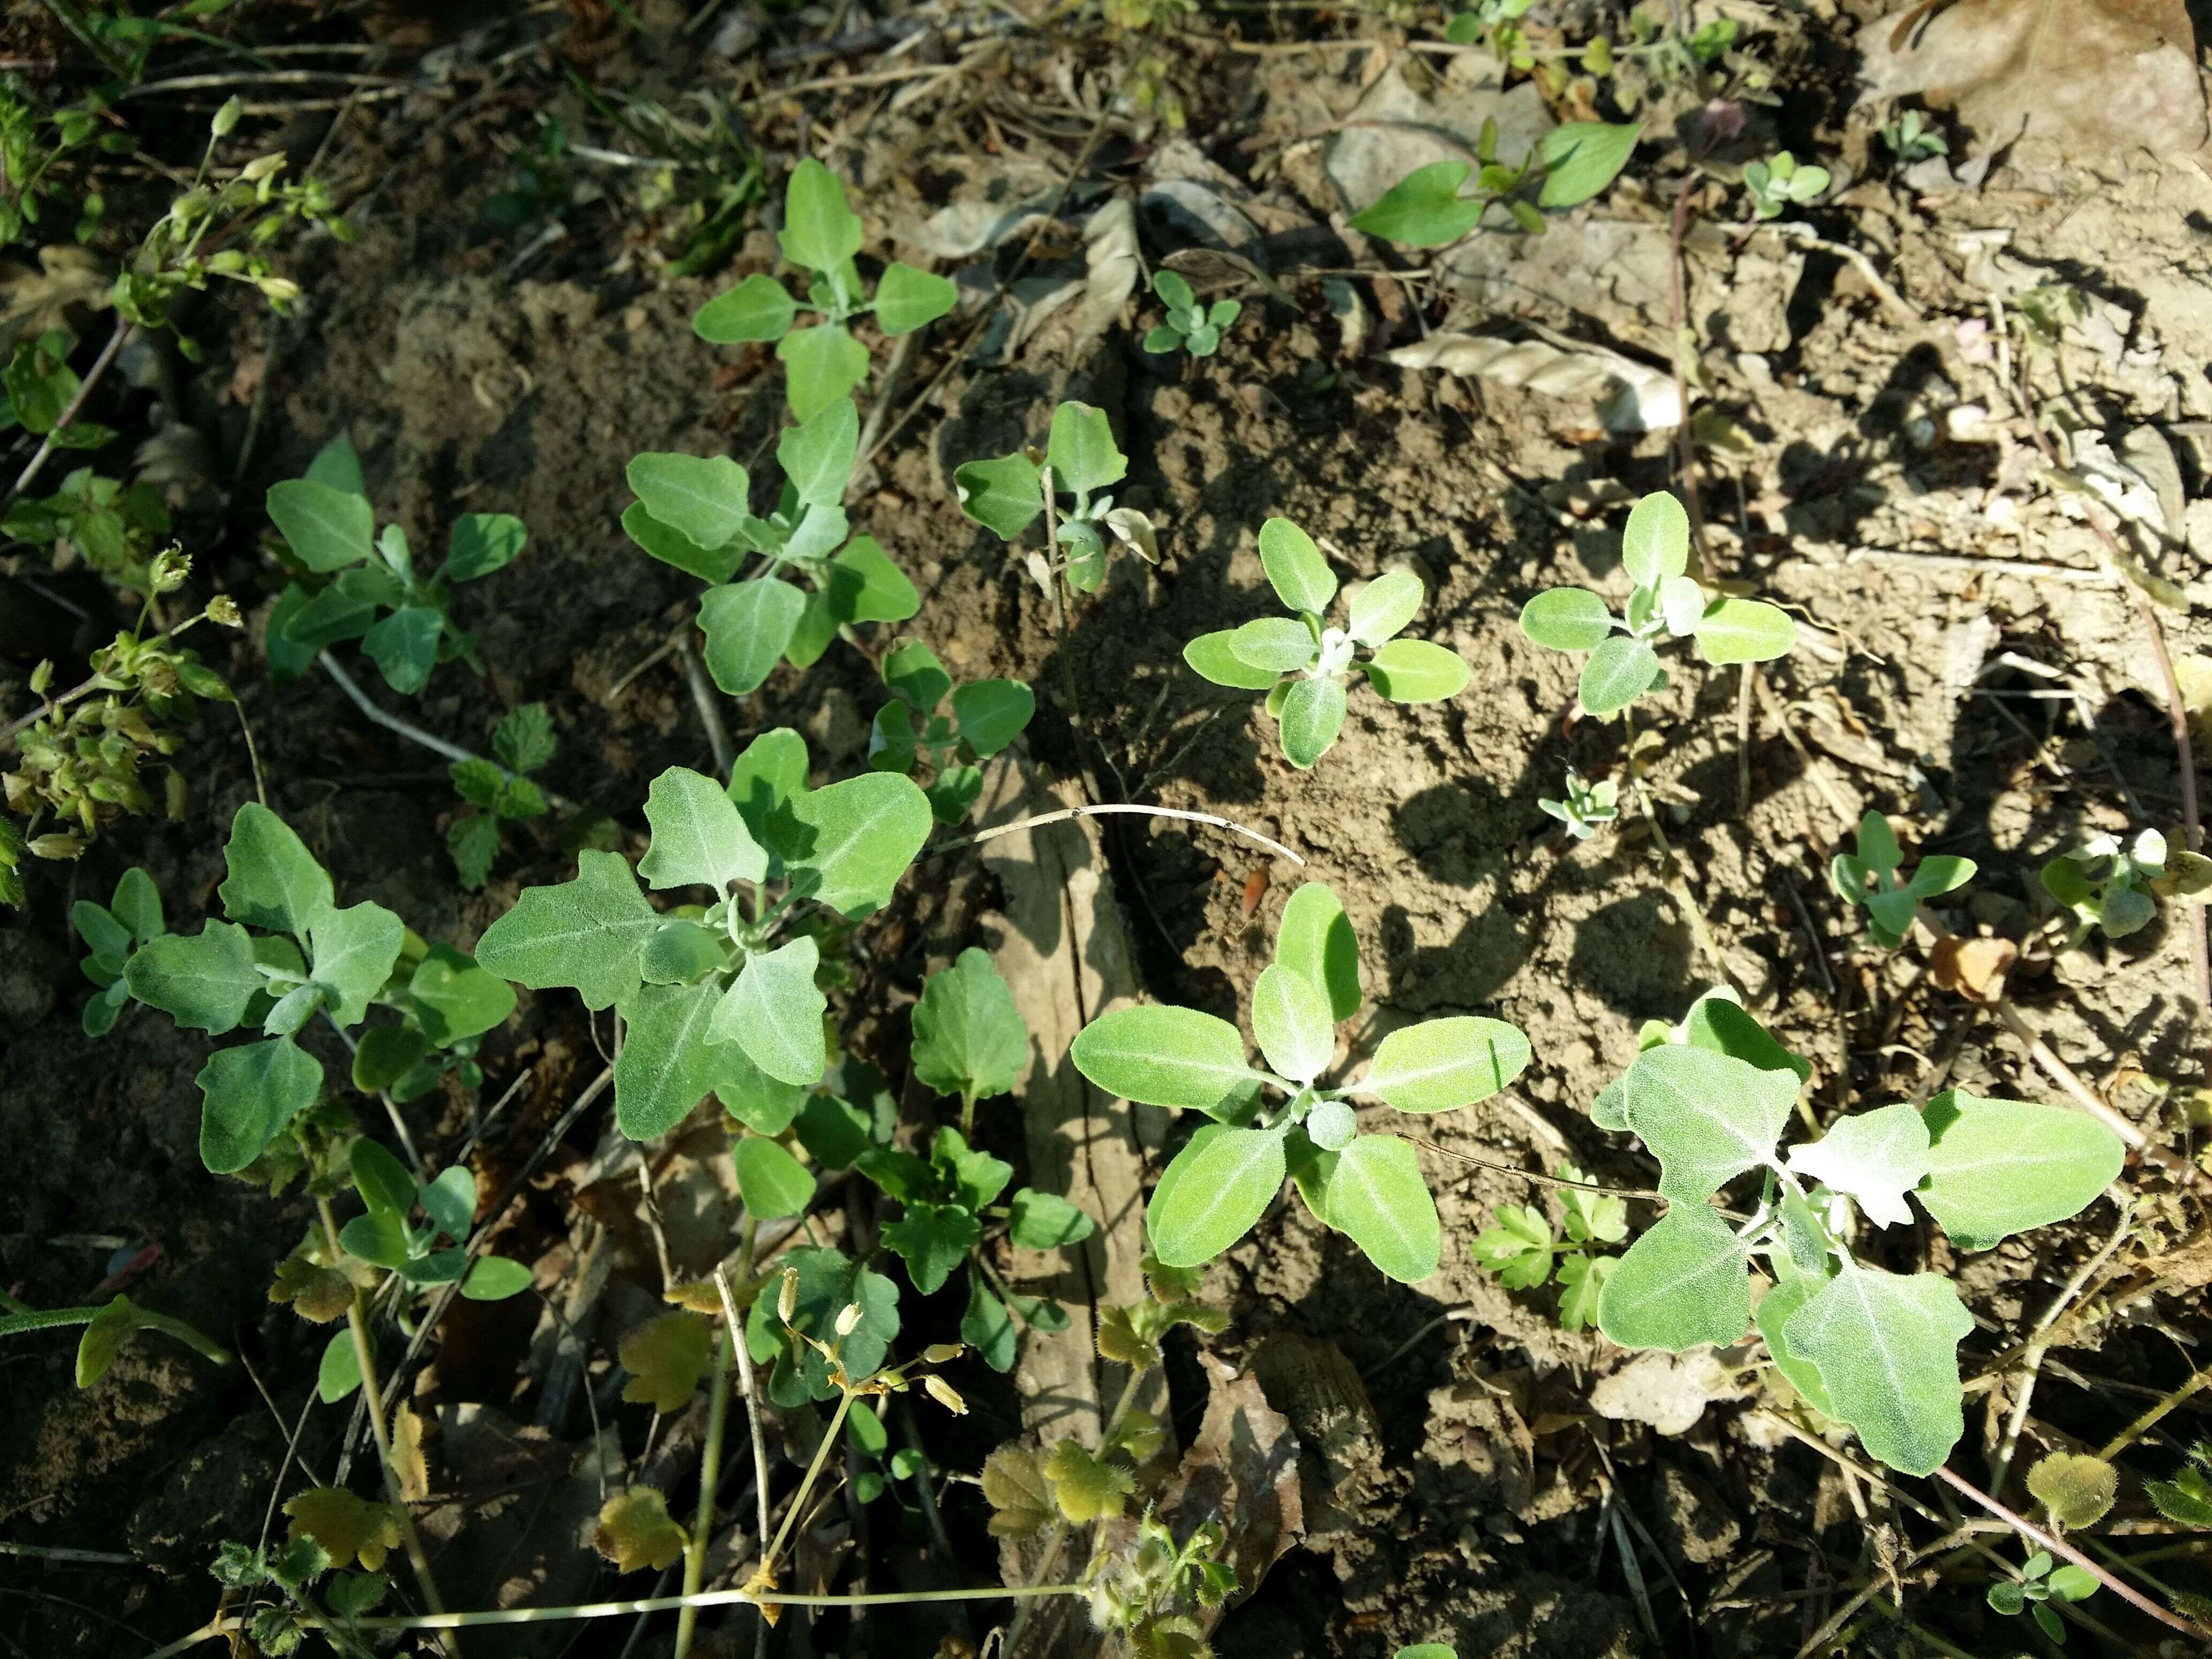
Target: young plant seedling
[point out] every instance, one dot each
(985, 716)
(710, 999)
(1870, 1348)
(1664, 602)
(2186, 1500)
(1588, 806)
(1870, 876)
(500, 793)
(2042, 1582)
(1566, 167)
(695, 514)
(1779, 183)
(1005, 496)
(1302, 662)
(1912, 139)
(350, 581)
(2117, 888)
(1194, 327)
(823, 362)
(117, 527)
(1368, 1187)
(368, 1532)
(1523, 1249)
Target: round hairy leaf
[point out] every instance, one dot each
(698, 839)
(1567, 619)
(1081, 452)
(1315, 939)
(1424, 209)
(819, 231)
(770, 1180)
(907, 298)
(1384, 605)
(702, 498)
(1886, 1346)
(2075, 1488)
(1687, 1281)
(774, 1013)
(1313, 714)
(1999, 1167)
(1275, 645)
(589, 933)
(250, 1093)
(1214, 656)
(855, 838)
(748, 625)
(1745, 630)
(1300, 577)
(1442, 1064)
(1619, 670)
(816, 454)
(820, 366)
(758, 308)
(1376, 1197)
(1213, 1192)
(1415, 670)
(1331, 1124)
(1581, 158)
(1656, 542)
(1291, 1018)
(1706, 1117)
(1163, 1056)
(968, 1038)
(1004, 496)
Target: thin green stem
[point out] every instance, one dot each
(805, 1484)
(47, 1319)
(1057, 1538)
(710, 1471)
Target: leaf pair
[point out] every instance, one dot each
(1197, 328)
(986, 715)
(1005, 496)
(1870, 876)
(373, 592)
(385, 1237)
(501, 791)
(2115, 888)
(823, 362)
(1623, 664)
(111, 932)
(1567, 166)
(1302, 663)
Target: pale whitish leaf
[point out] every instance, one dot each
(1745, 630)
(1567, 619)
(273, 880)
(1682, 602)
(1887, 1348)
(1656, 542)
(703, 498)
(353, 951)
(1686, 1281)
(1315, 938)
(667, 1065)
(1291, 1019)
(1707, 1117)
(1776, 1309)
(1416, 670)
(1081, 452)
(1276, 645)
(1875, 1158)
(326, 529)
(1376, 1197)
(1999, 1167)
(698, 839)
(250, 1093)
(758, 308)
(1213, 1192)
(1214, 656)
(969, 1037)
(1619, 670)
(819, 230)
(772, 1182)
(1163, 1056)
(774, 1013)
(589, 933)
(1313, 714)
(1331, 1124)
(1442, 1064)
(1384, 606)
(1295, 568)
(858, 837)
(748, 627)
(817, 455)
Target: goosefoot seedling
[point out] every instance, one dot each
(1624, 664)
(1870, 876)
(985, 716)
(2117, 888)
(1564, 168)
(1195, 327)
(1368, 1187)
(1080, 457)
(1781, 182)
(501, 791)
(1302, 662)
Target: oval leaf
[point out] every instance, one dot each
(1301, 577)
(1218, 1186)
(1385, 605)
(1687, 1281)
(1999, 1167)
(1567, 619)
(1887, 1348)
(703, 498)
(772, 1182)
(1441, 1064)
(1745, 630)
(1214, 656)
(1619, 670)
(1291, 1019)
(1081, 450)
(748, 625)
(1315, 939)
(1415, 670)
(758, 308)
(1424, 209)
(1376, 1197)
(1313, 714)
(1163, 1056)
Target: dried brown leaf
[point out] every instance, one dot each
(1974, 969)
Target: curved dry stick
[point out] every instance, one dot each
(1061, 817)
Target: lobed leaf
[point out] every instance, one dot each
(1707, 1117)
(855, 839)
(698, 839)
(1886, 1345)
(248, 1094)
(352, 952)
(1875, 1158)
(588, 933)
(932, 1239)
(774, 1013)
(969, 1037)
(203, 981)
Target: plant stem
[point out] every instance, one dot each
(47, 1319)
(1058, 1537)
(373, 1398)
(765, 1574)
(1686, 448)
(710, 1471)
(2144, 1424)
(407, 729)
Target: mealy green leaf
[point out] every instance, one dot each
(772, 1182)
(679, 951)
(1274, 645)
(991, 714)
(1159, 1055)
(352, 952)
(1686, 1281)
(905, 298)
(703, 498)
(1384, 606)
(1315, 939)
(760, 1103)
(1291, 1019)
(1656, 541)
(1376, 1197)
(204, 979)
(1886, 1345)
(1081, 450)
(1313, 714)
(1745, 630)
(859, 836)
(248, 1094)
(1215, 1189)
(748, 627)
(326, 529)
(698, 839)
(968, 1038)
(1299, 574)
(758, 308)
(1441, 1064)
(138, 905)
(274, 881)
(865, 585)
(1004, 496)
(714, 565)
(666, 1065)
(770, 772)
(819, 230)
(817, 455)
(1875, 1158)
(1775, 1311)
(456, 998)
(1567, 619)
(1214, 656)
(1415, 670)
(821, 366)
(1424, 209)
(1619, 670)
(1707, 1117)
(589, 933)
(1999, 1167)
(774, 1013)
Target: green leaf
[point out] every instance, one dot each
(760, 1103)
(932, 1239)
(1315, 939)
(404, 646)
(381, 1180)
(988, 1328)
(326, 529)
(758, 308)
(338, 1373)
(1999, 1167)
(1619, 670)
(589, 933)
(1295, 568)
(774, 1013)
(386, 1053)
(2076, 1490)
(1776, 1309)
(1159, 1055)
(1442, 1064)
(450, 1199)
(667, 1065)
(1081, 452)
(1582, 1287)
(1707, 1117)
(248, 1094)
(712, 565)
(820, 366)
(1291, 1018)
(352, 952)
(865, 585)
(679, 951)
(1276, 645)
(1210, 1195)
(817, 455)
(819, 231)
(906, 299)
(860, 836)
(968, 1038)
(1567, 618)
(480, 543)
(1719, 1023)
(1044, 1221)
(204, 979)
(274, 880)
(1687, 1281)
(1004, 496)
(1415, 670)
(772, 1182)
(1377, 1198)
(748, 626)
(991, 714)
(703, 498)
(1424, 209)
(1745, 630)
(768, 775)
(1214, 656)
(1875, 1158)
(698, 839)
(337, 464)
(524, 738)
(1313, 714)
(457, 998)
(1656, 542)
(138, 905)
(494, 1279)
(1384, 606)
(1581, 158)
(378, 1238)
(1887, 1348)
